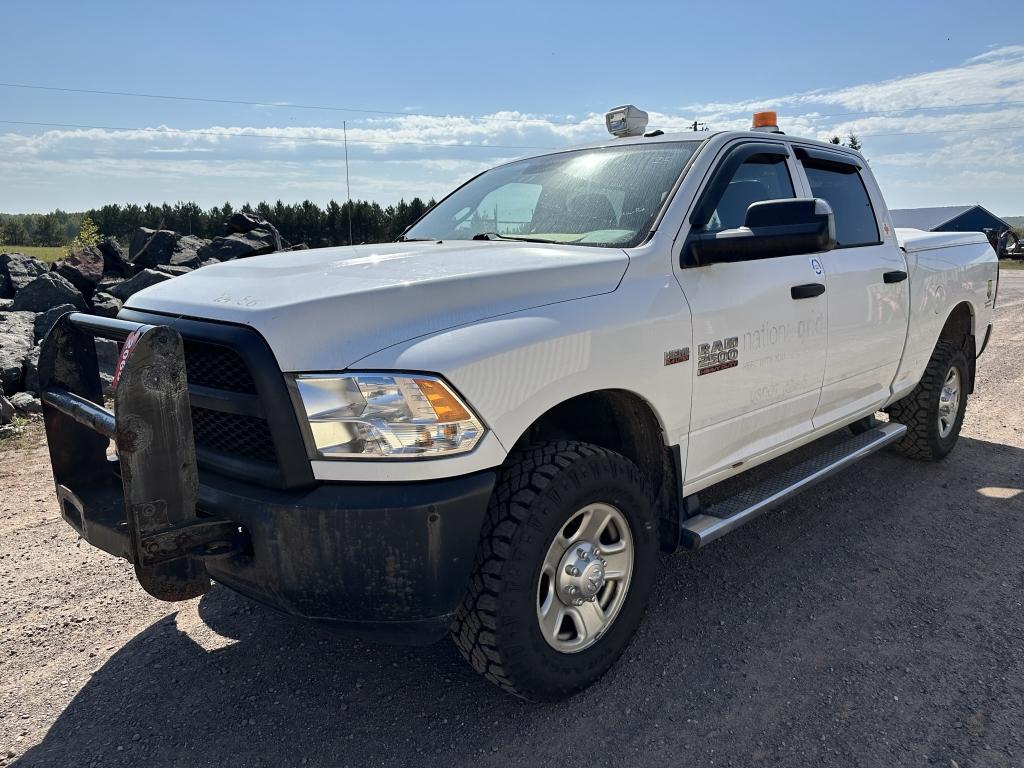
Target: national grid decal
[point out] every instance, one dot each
(718, 355)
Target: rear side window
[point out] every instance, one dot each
(842, 187)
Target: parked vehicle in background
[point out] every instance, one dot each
(1008, 245)
(491, 427)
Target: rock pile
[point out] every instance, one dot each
(99, 279)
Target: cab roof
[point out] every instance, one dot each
(702, 136)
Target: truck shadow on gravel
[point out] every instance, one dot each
(874, 616)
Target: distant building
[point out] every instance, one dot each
(950, 218)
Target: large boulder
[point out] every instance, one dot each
(107, 352)
(105, 305)
(240, 245)
(151, 248)
(144, 279)
(107, 283)
(46, 291)
(30, 381)
(6, 411)
(19, 270)
(16, 337)
(46, 320)
(115, 260)
(25, 402)
(242, 223)
(148, 246)
(186, 252)
(83, 268)
(174, 270)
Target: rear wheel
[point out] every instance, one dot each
(564, 569)
(934, 411)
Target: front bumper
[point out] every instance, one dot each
(387, 559)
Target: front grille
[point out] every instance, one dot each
(237, 435)
(242, 421)
(211, 365)
(233, 434)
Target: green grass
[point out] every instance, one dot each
(45, 254)
(12, 435)
(1011, 264)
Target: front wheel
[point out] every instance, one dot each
(934, 411)
(565, 566)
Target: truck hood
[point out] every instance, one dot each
(324, 309)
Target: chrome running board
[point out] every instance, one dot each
(728, 515)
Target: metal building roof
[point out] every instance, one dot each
(931, 218)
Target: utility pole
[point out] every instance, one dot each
(348, 186)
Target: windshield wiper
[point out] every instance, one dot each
(417, 239)
(499, 236)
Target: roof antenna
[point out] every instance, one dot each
(348, 187)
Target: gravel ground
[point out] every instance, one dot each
(873, 621)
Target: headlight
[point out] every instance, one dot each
(380, 415)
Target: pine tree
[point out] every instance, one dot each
(88, 235)
(46, 231)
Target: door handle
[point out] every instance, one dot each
(896, 276)
(808, 291)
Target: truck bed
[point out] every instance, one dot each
(917, 240)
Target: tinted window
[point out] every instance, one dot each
(842, 188)
(762, 177)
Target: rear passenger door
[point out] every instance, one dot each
(867, 294)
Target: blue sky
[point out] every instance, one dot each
(936, 92)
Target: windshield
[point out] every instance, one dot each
(604, 196)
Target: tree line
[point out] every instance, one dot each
(304, 222)
(51, 229)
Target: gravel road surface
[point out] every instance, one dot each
(876, 620)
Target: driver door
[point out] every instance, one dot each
(760, 346)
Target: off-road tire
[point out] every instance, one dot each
(496, 627)
(919, 410)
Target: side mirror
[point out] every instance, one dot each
(771, 228)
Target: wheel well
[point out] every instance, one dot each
(959, 329)
(958, 325)
(615, 419)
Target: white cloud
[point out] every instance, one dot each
(922, 127)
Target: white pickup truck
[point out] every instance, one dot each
(490, 427)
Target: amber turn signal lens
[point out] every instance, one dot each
(765, 119)
(442, 401)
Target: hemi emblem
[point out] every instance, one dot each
(674, 356)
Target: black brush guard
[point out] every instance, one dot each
(142, 505)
